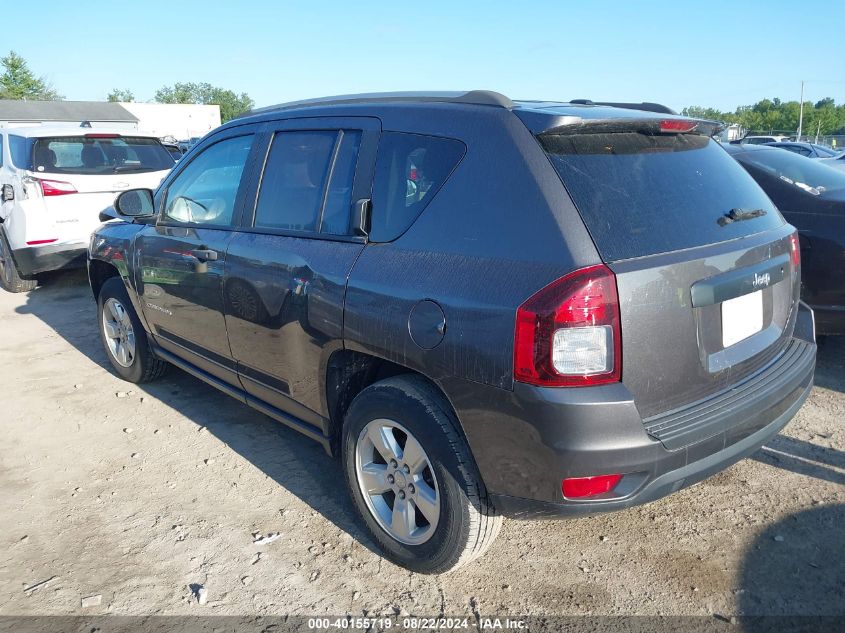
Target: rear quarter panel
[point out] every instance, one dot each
(501, 228)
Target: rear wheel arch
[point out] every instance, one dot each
(349, 372)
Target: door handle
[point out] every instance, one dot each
(204, 254)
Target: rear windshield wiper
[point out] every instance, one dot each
(737, 215)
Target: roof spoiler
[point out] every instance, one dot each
(646, 106)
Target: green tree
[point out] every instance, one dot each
(711, 114)
(231, 104)
(773, 116)
(18, 82)
(119, 94)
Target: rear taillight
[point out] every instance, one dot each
(795, 247)
(56, 188)
(568, 334)
(580, 487)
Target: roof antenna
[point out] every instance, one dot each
(85, 124)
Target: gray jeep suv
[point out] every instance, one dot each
(484, 307)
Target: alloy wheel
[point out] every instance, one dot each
(397, 481)
(120, 335)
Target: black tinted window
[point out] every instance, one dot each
(797, 149)
(410, 169)
(292, 187)
(643, 194)
(205, 191)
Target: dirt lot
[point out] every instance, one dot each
(135, 493)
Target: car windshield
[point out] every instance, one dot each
(806, 174)
(821, 150)
(99, 154)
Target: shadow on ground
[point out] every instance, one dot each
(65, 303)
(804, 458)
(787, 570)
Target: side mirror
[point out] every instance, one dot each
(8, 193)
(135, 203)
(361, 218)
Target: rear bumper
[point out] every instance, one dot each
(38, 259)
(535, 439)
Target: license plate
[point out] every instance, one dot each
(741, 317)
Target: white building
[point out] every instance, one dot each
(181, 121)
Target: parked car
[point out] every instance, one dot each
(810, 150)
(760, 140)
(812, 198)
(837, 162)
(174, 150)
(188, 144)
(55, 181)
(602, 315)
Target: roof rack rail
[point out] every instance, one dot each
(646, 106)
(473, 97)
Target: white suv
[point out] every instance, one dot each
(55, 181)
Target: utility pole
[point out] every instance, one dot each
(818, 129)
(801, 114)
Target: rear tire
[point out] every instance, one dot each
(123, 336)
(10, 280)
(444, 521)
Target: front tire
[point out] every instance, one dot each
(10, 280)
(123, 336)
(412, 478)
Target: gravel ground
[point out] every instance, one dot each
(136, 493)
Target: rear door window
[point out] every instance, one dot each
(410, 169)
(97, 154)
(294, 180)
(641, 194)
(307, 181)
(338, 206)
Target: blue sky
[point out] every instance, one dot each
(712, 53)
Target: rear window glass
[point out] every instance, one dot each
(410, 169)
(805, 174)
(642, 194)
(91, 156)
